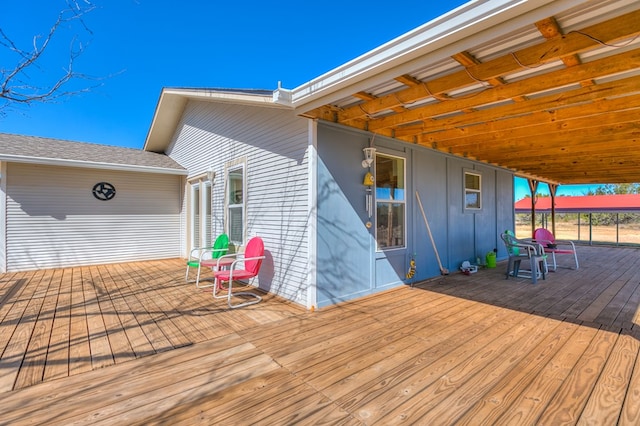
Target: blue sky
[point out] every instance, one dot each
(142, 46)
(522, 189)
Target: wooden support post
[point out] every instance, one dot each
(552, 190)
(533, 187)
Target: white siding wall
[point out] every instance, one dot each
(3, 217)
(275, 143)
(53, 220)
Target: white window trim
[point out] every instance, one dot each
(375, 204)
(466, 172)
(203, 187)
(239, 163)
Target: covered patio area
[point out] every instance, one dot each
(133, 344)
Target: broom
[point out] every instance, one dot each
(443, 270)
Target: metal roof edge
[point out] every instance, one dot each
(479, 19)
(91, 165)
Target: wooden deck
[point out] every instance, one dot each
(133, 344)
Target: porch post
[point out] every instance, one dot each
(552, 190)
(533, 187)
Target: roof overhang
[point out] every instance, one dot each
(60, 162)
(549, 89)
(173, 101)
(474, 22)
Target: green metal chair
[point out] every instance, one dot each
(200, 257)
(519, 250)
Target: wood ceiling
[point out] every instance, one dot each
(563, 109)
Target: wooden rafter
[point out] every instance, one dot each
(549, 28)
(609, 31)
(443, 108)
(558, 124)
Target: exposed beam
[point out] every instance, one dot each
(547, 82)
(588, 125)
(544, 103)
(408, 80)
(467, 60)
(549, 29)
(518, 149)
(583, 116)
(609, 31)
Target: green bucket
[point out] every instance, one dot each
(491, 259)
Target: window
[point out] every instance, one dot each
(236, 201)
(472, 191)
(390, 201)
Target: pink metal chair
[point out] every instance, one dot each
(553, 246)
(244, 266)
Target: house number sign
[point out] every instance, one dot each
(104, 191)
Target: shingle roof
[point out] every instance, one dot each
(31, 149)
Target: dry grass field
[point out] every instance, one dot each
(623, 234)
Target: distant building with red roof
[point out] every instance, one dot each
(584, 203)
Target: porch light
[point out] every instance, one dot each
(211, 175)
(369, 154)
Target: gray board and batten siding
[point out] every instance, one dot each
(274, 141)
(350, 266)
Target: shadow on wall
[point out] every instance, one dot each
(344, 243)
(68, 192)
(222, 126)
(267, 272)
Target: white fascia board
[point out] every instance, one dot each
(222, 96)
(165, 119)
(172, 103)
(440, 38)
(91, 165)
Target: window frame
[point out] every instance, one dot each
(466, 191)
(199, 212)
(391, 201)
(231, 167)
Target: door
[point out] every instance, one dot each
(199, 214)
(390, 220)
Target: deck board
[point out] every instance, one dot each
(32, 369)
(134, 344)
(79, 350)
(57, 362)
(493, 403)
(467, 390)
(610, 390)
(20, 323)
(630, 414)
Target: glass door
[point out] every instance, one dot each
(200, 214)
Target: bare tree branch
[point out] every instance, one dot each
(16, 84)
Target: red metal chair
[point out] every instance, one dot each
(245, 267)
(553, 246)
